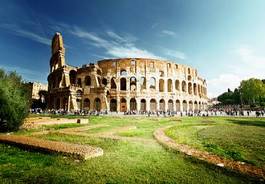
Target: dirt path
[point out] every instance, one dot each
(245, 168)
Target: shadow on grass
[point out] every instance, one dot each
(246, 122)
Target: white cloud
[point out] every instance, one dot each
(169, 33)
(246, 64)
(14, 29)
(114, 44)
(175, 54)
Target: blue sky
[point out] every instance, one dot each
(224, 40)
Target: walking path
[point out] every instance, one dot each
(79, 151)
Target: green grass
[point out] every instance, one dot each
(122, 162)
(241, 139)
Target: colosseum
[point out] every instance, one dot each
(121, 85)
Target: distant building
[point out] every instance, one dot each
(123, 84)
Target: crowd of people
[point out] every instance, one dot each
(214, 111)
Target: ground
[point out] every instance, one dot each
(132, 155)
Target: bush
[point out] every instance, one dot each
(14, 101)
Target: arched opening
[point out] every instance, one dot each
(123, 107)
(97, 104)
(170, 105)
(79, 82)
(169, 85)
(123, 72)
(185, 105)
(162, 105)
(104, 82)
(190, 106)
(98, 72)
(57, 105)
(79, 105)
(194, 89)
(196, 108)
(190, 88)
(113, 105)
(143, 105)
(177, 87)
(184, 86)
(88, 81)
(161, 85)
(123, 84)
(113, 84)
(133, 84)
(143, 83)
(153, 107)
(86, 104)
(72, 75)
(152, 83)
(133, 104)
(178, 106)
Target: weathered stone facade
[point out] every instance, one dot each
(127, 84)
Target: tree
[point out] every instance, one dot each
(252, 91)
(14, 100)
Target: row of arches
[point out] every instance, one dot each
(132, 105)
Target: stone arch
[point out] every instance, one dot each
(170, 105)
(161, 85)
(79, 82)
(123, 105)
(123, 84)
(162, 105)
(190, 88)
(153, 105)
(196, 108)
(86, 104)
(177, 85)
(190, 106)
(178, 106)
(97, 104)
(133, 104)
(79, 103)
(152, 83)
(184, 86)
(72, 75)
(143, 83)
(99, 72)
(185, 105)
(88, 81)
(123, 72)
(195, 89)
(113, 83)
(113, 105)
(133, 84)
(143, 105)
(169, 85)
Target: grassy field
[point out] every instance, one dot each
(135, 158)
(241, 139)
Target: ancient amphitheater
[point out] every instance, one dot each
(127, 84)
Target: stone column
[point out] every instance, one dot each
(138, 104)
(118, 104)
(148, 104)
(128, 104)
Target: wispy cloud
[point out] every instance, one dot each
(175, 54)
(169, 33)
(17, 30)
(114, 44)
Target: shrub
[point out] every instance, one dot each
(14, 101)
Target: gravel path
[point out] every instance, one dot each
(79, 151)
(245, 168)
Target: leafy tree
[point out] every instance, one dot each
(252, 91)
(14, 101)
